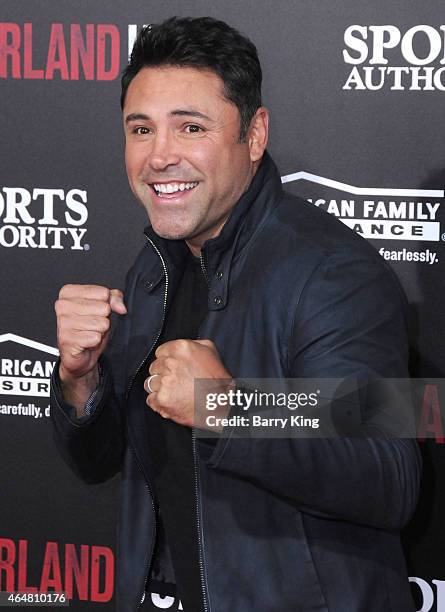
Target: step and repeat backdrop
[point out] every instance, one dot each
(356, 94)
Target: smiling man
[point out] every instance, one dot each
(237, 279)
(184, 157)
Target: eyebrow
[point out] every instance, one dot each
(175, 113)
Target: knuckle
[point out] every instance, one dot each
(62, 322)
(106, 309)
(153, 365)
(169, 363)
(104, 324)
(162, 397)
(103, 293)
(65, 290)
(94, 338)
(169, 381)
(182, 346)
(62, 307)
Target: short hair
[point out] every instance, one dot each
(203, 43)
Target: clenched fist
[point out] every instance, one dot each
(173, 372)
(83, 325)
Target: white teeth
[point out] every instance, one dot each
(173, 187)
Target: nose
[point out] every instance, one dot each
(164, 151)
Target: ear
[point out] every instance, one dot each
(258, 133)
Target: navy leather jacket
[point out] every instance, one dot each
(284, 524)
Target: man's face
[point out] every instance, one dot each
(183, 156)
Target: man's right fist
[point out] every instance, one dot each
(83, 326)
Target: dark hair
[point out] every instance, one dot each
(207, 44)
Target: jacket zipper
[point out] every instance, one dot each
(127, 394)
(203, 267)
(198, 525)
(154, 533)
(197, 507)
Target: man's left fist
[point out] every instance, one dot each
(171, 386)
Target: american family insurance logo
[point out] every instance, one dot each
(43, 218)
(386, 57)
(73, 51)
(380, 213)
(25, 370)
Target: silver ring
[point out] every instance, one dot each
(150, 390)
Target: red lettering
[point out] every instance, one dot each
(28, 71)
(7, 565)
(110, 31)
(51, 575)
(96, 553)
(9, 49)
(23, 569)
(80, 572)
(56, 59)
(82, 51)
(430, 419)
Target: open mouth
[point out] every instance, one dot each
(165, 189)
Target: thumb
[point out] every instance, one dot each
(117, 302)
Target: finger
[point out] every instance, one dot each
(80, 341)
(82, 307)
(92, 292)
(155, 406)
(172, 347)
(84, 323)
(152, 384)
(117, 302)
(157, 366)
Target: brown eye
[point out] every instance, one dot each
(193, 129)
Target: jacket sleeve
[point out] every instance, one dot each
(92, 445)
(349, 321)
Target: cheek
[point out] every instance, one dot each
(204, 155)
(134, 161)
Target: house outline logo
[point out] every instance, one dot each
(365, 191)
(39, 346)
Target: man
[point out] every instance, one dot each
(237, 279)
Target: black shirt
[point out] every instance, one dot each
(170, 448)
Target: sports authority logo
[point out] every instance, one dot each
(43, 218)
(385, 57)
(379, 213)
(25, 376)
(429, 597)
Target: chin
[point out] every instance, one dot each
(170, 233)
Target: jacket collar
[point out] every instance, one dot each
(249, 213)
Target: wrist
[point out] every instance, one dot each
(76, 390)
(88, 380)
